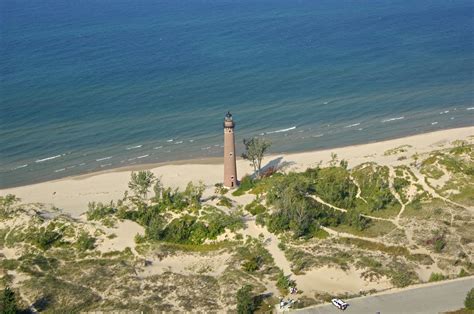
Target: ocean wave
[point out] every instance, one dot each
(140, 157)
(134, 147)
(444, 112)
(352, 125)
(48, 158)
(105, 158)
(169, 141)
(190, 141)
(470, 108)
(179, 142)
(281, 131)
(105, 165)
(19, 167)
(82, 164)
(157, 147)
(60, 170)
(317, 135)
(393, 119)
(434, 123)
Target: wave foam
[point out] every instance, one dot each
(470, 108)
(393, 119)
(139, 157)
(19, 167)
(352, 125)
(134, 147)
(434, 123)
(158, 147)
(48, 158)
(105, 158)
(281, 131)
(60, 170)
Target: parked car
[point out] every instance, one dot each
(339, 304)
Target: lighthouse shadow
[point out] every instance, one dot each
(277, 164)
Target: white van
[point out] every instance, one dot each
(339, 304)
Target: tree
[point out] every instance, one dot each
(245, 300)
(255, 149)
(469, 301)
(8, 302)
(141, 182)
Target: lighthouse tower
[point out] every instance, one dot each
(230, 167)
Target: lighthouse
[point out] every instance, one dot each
(230, 167)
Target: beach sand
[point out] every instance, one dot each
(73, 194)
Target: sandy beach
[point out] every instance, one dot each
(73, 194)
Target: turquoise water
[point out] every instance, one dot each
(92, 85)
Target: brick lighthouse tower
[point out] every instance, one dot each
(230, 167)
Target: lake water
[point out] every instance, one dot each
(91, 85)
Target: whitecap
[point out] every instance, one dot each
(470, 108)
(169, 141)
(48, 158)
(105, 158)
(317, 135)
(352, 125)
(139, 157)
(105, 165)
(179, 142)
(19, 167)
(59, 170)
(158, 147)
(444, 112)
(190, 141)
(206, 148)
(282, 130)
(434, 123)
(82, 164)
(393, 119)
(134, 147)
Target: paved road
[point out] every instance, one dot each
(429, 299)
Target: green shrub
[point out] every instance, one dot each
(225, 201)
(8, 302)
(98, 211)
(246, 184)
(284, 282)
(46, 238)
(463, 273)
(469, 301)
(255, 208)
(85, 242)
(245, 300)
(436, 277)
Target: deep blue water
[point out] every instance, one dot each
(82, 81)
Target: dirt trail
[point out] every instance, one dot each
(421, 179)
(271, 242)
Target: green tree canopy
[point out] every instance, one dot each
(141, 182)
(255, 149)
(8, 302)
(245, 300)
(469, 301)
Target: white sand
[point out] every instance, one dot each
(73, 194)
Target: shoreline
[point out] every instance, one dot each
(217, 160)
(72, 194)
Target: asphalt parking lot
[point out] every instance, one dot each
(429, 299)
